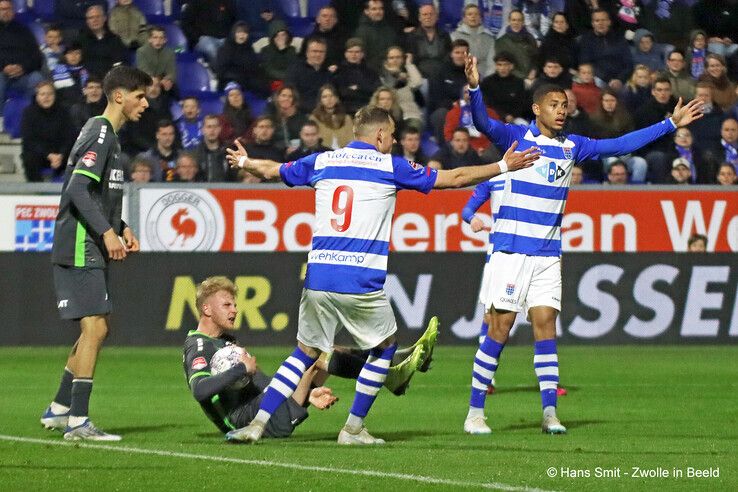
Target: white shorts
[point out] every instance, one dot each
(367, 317)
(517, 282)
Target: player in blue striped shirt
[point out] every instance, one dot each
(525, 263)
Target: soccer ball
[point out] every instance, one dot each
(224, 359)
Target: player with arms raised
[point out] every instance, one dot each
(347, 265)
(525, 265)
(89, 232)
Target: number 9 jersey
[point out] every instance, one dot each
(355, 189)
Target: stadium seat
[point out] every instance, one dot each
(38, 31)
(289, 8)
(192, 77)
(315, 5)
(428, 146)
(211, 105)
(256, 103)
(13, 113)
(44, 9)
(175, 37)
(300, 27)
(450, 13)
(153, 10)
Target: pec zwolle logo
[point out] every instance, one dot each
(185, 221)
(510, 289)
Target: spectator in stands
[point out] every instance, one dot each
(164, 154)
(46, 134)
(460, 116)
(617, 174)
(333, 32)
(559, 43)
(129, 23)
(139, 136)
(579, 13)
(682, 84)
(376, 32)
(480, 40)
(724, 90)
(637, 91)
(335, 127)
(207, 24)
(189, 125)
(210, 153)
(683, 149)
(611, 120)
(429, 45)
(309, 75)
(726, 175)
(52, 48)
(606, 50)
(399, 73)
(70, 15)
(681, 174)
(646, 52)
(521, 45)
(706, 130)
(669, 21)
(577, 175)
(186, 169)
(310, 142)
(141, 171)
(385, 98)
(70, 76)
(257, 14)
(93, 105)
(719, 19)
(697, 243)
(101, 49)
(584, 86)
(409, 147)
(20, 58)
(537, 17)
(236, 61)
(158, 60)
(445, 88)
(729, 141)
(236, 119)
(287, 118)
(455, 153)
(577, 121)
(658, 108)
(279, 54)
(354, 80)
(262, 144)
(696, 53)
(552, 73)
(504, 92)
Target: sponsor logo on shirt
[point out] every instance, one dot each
(199, 363)
(89, 159)
(550, 172)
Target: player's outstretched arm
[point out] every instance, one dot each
(261, 168)
(469, 175)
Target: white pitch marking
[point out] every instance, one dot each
(276, 464)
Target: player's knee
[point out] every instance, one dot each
(94, 328)
(311, 352)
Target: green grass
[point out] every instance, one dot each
(651, 407)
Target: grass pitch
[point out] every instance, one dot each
(664, 410)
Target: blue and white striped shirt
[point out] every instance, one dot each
(486, 190)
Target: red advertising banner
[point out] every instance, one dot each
(281, 220)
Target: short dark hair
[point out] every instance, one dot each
(310, 123)
(504, 56)
(54, 27)
(164, 123)
(93, 79)
(410, 130)
(125, 77)
(678, 52)
(552, 59)
(462, 129)
(370, 116)
(157, 28)
(662, 80)
(697, 237)
(211, 116)
(617, 163)
(459, 42)
(545, 90)
(599, 11)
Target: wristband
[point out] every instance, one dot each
(503, 166)
(241, 160)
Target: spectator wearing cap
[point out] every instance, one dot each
(101, 48)
(429, 44)
(236, 118)
(207, 24)
(681, 173)
(646, 52)
(332, 31)
(279, 54)
(310, 74)
(236, 61)
(158, 60)
(354, 80)
(505, 92)
(376, 32)
(480, 39)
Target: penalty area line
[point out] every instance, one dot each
(272, 464)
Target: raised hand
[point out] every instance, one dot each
(520, 160)
(685, 114)
(471, 71)
(234, 156)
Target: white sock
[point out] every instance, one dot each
(475, 412)
(549, 412)
(354, 423)
(262, 417)
(75, 421)
(58, 409)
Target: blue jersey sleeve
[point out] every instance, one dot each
(477, 199)
(498, 133)
(413, 176)
(300, 172)
(630, 142)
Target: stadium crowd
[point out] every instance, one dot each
(287, 85)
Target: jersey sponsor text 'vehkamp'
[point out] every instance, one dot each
(355, 190)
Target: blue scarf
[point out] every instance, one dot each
(731, 154)
(698, 62)
(663, 9)
(687, 154)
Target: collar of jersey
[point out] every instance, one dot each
(197, 332)
(360, 145)
(533, 127)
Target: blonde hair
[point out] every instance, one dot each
(211, 286)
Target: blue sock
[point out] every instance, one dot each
(284, 382)
(546, 364)
(370, 380)
(485, 365)
(483, 331)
